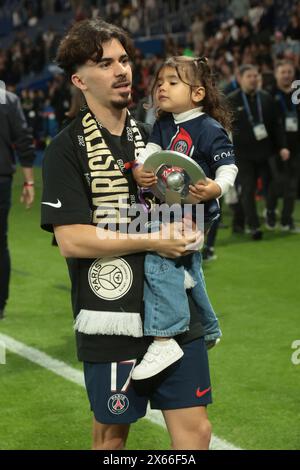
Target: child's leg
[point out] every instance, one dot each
(166, 314)
(167, 311)
(199, 293)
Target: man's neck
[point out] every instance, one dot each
(284, 88)
(112, 119)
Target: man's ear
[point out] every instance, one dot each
(198, 94)
(78, 81)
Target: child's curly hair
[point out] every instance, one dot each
(197, 72)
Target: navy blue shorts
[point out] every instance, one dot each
(116, 399)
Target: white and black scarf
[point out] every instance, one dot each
(109, 291)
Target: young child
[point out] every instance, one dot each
(192, 121)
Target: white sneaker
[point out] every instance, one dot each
(160, 355)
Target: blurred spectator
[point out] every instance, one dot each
(197, 32)
(131, 21)
(112, 10)
(17, 18)
(257, 133)
(49, 6)
(279, 44)
(293, 29)
(13, 132)
(77, 101)
(239, 8)
(150, 11)
(48, 38)
(170, 46)
(267, 20)
(228, 82)
(285, 173)
(254, 14)
(59, 93)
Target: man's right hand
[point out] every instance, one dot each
(170, 242)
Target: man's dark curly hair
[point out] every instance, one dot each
(84, 42)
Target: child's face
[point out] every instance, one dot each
(172, 95)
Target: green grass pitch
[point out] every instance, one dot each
(254, 287)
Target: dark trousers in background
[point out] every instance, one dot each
(249, 171)
(285, 178)
(212, 233)
(5, 203)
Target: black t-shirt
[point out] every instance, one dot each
(244, 141)
(286, 108)
(67, 199)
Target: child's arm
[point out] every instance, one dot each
(219, 154)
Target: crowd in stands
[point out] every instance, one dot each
(229, 32)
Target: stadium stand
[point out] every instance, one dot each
(229, 32)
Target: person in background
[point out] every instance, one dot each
(285, 172)
(14, 136)
(257, 134)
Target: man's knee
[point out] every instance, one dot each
(202, 434)
(194, 438)
(204, 431)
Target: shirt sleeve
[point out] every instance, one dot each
(225, 177)
(65, 198)
(220, 150)
(147, 151)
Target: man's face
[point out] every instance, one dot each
(108, 82)
(285, 75)
(249, 81)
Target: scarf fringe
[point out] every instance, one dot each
(189, 282)
(93, 322)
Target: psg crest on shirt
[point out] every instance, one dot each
(175, 172)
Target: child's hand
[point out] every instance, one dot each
(205, 190)
(145, 179)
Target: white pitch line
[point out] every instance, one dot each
(43, 360)
(73, 375)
